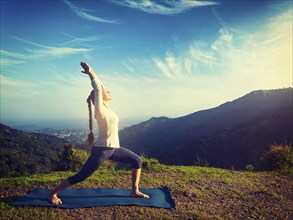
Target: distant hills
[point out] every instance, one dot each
(233, 134)
(23, 153)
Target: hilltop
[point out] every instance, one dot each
(23, 153)
(199, 193)
(234, 134)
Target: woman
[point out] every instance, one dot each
(107, 146)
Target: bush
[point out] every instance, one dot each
(73, 158)
(279, 158)
(150, 164)
(249, 167)
(201, 162)
(108, 165)
(77, 159)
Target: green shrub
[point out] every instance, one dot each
(278, 158)
(77, 159)
(73, 158)
(108, 165)
(201, 162)
(249, 167)
(150, 164)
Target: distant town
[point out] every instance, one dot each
(75, 131)
(71, 135)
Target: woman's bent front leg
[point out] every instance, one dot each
(124, 155)
(135, 182)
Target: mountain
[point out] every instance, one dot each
(234, 134)
(23, 153)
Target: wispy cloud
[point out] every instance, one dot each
(12, 54)
(9, 62)
(283, 26)
(40, 102)
(142, 66)
(209, 73)
(198, 59)
(225, 25)
(55, 51)
(15, 84)
(165, 7)
(40, 51)
(6, 58)
(220, 20)
(77, 40)
(85, 15)
(163, 67)
(224, 41)
(82, 41)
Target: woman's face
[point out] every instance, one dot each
(106, 95)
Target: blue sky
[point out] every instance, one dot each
(157, 58)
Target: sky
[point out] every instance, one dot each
(157, 57)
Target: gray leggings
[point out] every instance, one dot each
(99, 155)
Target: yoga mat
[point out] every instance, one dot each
(85, 197)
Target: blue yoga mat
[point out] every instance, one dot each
(85, 197)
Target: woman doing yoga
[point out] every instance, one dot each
(107, 146)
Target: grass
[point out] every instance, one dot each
(199, 193)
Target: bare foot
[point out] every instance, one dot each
(54, 199)
(138, 194)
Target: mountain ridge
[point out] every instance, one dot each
(236, 133)
(261, 109)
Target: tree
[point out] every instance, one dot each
(279, 158)
(72, 158)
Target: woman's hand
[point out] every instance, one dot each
(86, 68)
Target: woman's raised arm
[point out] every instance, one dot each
(96, 84)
